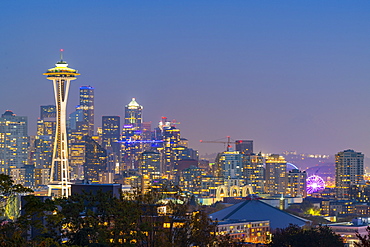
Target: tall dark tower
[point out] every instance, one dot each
(87, 107)
(61, 76)
(110, 130)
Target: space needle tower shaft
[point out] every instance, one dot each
(61, 76)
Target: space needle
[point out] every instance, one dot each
(61, 76)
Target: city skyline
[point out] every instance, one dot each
(289, 76)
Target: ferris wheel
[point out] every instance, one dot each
(314, 184)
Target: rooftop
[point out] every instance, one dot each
(251, 210)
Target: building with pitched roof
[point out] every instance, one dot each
(256, 210)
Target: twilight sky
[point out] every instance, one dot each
(291, 75)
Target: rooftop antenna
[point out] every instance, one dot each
(61, 54)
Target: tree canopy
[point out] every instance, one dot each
(295, 236)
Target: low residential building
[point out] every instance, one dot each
(257, 231)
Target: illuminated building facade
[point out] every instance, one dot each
(150, 164)
(76, 121)
(87, 107)
(191, 179)
(95, 160)
(13, 142)
(46, 122)
(132, 139)
(360, 192)
(256, 231)
(245, 147)
(41, 149)
(61, 76)
(229, 167)
(296, 183)
(349, 170)
(149, 168)
(110, 137)
(275, 175)
(254, 172)
(171, 140)
(133, 114)
(111, 132)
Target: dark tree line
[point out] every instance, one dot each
(101, 220)
(295, 236)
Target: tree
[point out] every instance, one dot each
(9, 190)
(294, 236)
(99, 219)
(364, 240)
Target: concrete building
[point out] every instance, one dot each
(254, 171)
(349, 170)
(296, 183)
(275, 175)
(13, 142)
(229, 168)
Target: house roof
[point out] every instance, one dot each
(257, 210)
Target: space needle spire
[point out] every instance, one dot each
(61, 76)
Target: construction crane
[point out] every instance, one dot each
(228, 142)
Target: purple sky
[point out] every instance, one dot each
(291, 75)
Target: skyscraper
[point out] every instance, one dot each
(296, 183)
(95, 160)
(171, 140)
(132, 144)
(13, 142)
(47, 120)
(48, 112)
(349, 170)
(61, 76)
(254, 171)
(229, 167)
(149, 168)
(110, 130)
(275, 175)
(87, 107)
(133, 114)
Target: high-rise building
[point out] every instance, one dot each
(254, 171)
(13, 142)
(48, 112)
(245, 147)
(191, 179)
(110, 130)
(46, 122)
(61, 76)
(87, 107)
(275, 175)
(296, 183)
(133, 142)
(41, 149)
(149, 168)
(349, 170)
(41, 145)
(171, 139)
(76, 120)
(133, 114)
(95, 160)
(229, 167)
(110, 136)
